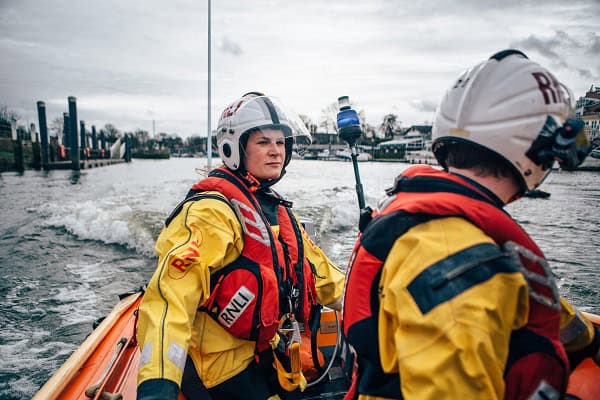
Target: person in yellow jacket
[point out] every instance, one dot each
(461, 303)
(236, 273)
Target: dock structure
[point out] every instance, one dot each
(85, 164)
(80, 147)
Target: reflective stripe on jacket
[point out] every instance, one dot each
(203, 237)
(284, 276)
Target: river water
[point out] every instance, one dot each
(70, 243)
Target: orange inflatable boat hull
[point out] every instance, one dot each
(105, 365)
(584, 382)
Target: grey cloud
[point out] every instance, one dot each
(405, 8)
(594, 46)
(584, 73)
(565, 40)
(552, 47)
(151, 57)
(556, 47)
(545, 47)
(424, 105)
(230, 47)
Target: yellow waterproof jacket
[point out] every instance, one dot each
(446, 306)
(204, 237)
(458, 349)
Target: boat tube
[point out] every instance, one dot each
(105, 366)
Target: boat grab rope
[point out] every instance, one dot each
(93, 389)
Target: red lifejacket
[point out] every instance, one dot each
(424, 193)
(249, 295)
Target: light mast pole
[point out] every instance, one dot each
(209, 137)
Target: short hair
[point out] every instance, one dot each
(483, 161)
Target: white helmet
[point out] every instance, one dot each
(255, 111)
(515, 108)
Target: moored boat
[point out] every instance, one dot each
(537, 194)
(105, 366)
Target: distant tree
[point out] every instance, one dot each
(139, 139)
(57, 126)
(141, 135)
(328, 120)
(306, 119)
(134, 141)
(8, 115)
(389, 126)
(369, 132)
(111, 130)
(111, 133)
(172, 142)
(196, 143)
(310, 125)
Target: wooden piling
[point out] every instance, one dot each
(18, 147)
(66, 135)
(41, 109)
(127, 148)
(36, 151)
(94, 138)
(83, 141)
(74, 134)
(103, 142)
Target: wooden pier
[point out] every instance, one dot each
(84, 164)
(78, 150)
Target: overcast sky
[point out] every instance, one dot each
(131, 62)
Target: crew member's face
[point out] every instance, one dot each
(265, 152)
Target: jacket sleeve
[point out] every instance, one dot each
(203, 237)
(448, 340)
(579, 336)
(329, 279)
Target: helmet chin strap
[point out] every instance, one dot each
(255, 184)
(263, 186)
(258, 184)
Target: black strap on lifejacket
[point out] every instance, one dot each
(298, 292)
(194, 195)
(428, 184)
(314, 321)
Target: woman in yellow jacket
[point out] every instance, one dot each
(235, 266)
